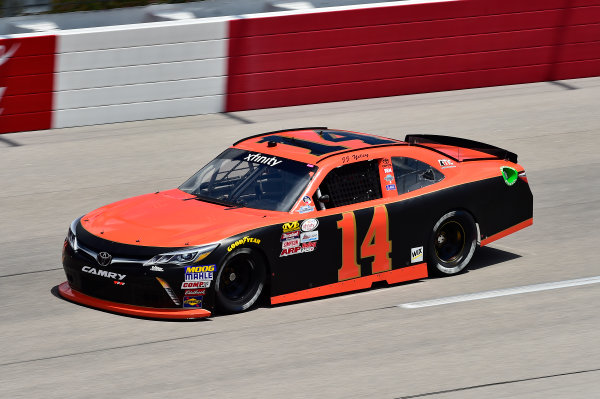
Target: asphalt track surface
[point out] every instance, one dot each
(543, 344)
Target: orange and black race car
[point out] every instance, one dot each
(297, 214)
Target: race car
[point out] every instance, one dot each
(296, 214)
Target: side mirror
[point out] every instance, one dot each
(323, 198)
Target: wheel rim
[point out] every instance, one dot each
(449, 242)
(236, 279)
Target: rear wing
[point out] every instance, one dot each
(460, 149)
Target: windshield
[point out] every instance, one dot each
(254, 180)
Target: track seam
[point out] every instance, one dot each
(421, 395)
(186, 337)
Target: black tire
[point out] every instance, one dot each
(240, 280)
(452, 244)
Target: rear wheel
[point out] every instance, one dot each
(240, 280)
(452, 243)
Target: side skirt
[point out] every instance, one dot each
(414, 272)
(506, 232)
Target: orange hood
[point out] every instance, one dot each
(171, 219)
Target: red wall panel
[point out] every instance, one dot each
(408, 48)
(387, 87)
(393, 32)
(26, 83)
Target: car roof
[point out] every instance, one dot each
(312, 144)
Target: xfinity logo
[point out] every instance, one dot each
(259, 158)
(103, 273)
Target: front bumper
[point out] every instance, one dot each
(70, 294)
(126, 286)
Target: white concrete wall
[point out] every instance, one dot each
(143, 71)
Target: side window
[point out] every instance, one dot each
(412, 174)
(349, 184)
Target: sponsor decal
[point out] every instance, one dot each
(290, 226)
(194, 292)
(290, 235)
(387, 170)
(103, 273)
(192, 301)
(309, 236)
(390, 187)
(118, 282)
(290, 243)
(199, 273)
(306, 247)
(306, 199)
(289, 251)
(416, 254)
(306, 209)
(385, 162)
(189, 285)
(260, 158)
(157, 269)
(446, 163)
(388, 178)
(310, 224)
(309, 246)
(243, 241)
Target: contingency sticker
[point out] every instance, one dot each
(446, 163)
(194, 301)
(290, 235)
(199, 273)
(189, 285)
(416, 254)
(387, 178)
(309, 236)
(310, 224)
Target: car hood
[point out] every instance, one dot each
(172, 219)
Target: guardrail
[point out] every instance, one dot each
(194, 66)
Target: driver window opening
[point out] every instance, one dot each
(349, 184)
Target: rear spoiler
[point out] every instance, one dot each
(433, 142)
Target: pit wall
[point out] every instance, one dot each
(165, 69)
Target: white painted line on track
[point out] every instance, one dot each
(504, 292)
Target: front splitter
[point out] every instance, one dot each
(70, 294)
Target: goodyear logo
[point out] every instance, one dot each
(198, 273)
(291, 226)
(243, 241)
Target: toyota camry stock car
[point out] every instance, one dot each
(296, 214)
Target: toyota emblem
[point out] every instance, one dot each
(104, 258)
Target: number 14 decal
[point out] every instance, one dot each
(376, 244)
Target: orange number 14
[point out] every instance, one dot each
(376, 244)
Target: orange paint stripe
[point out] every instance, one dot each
(392, 277)
(506, 232)
(67, 292)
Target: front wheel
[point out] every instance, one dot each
(452, 243)
(240, 281)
